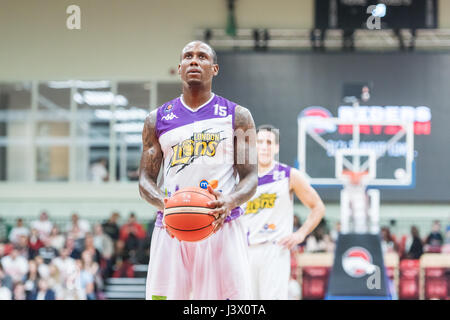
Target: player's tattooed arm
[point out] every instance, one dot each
(151, 160)
(245, 162)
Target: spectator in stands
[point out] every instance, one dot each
(15, 265)
(17, 231)
(43, 225)
(414, 245)
(434, 240)
(5, 279)
(34, 243)
(64, 263)
(88, 272)
(319, 241)
(5, 249)
(119, 266)
(19, 291)
(83, 225)
(3, 230)
(47, 252)
(133, 234)
(56, 239)
(30, 280)
(446, 245)
(75, 251)
(98, 171)
(334, 234)
(89, 247)
(55, 281)
(43, 292)
(22, 246)
(102, 242)
(387, 242)
(5, 293)
(43, 268)
(111, 228)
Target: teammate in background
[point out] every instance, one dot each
(269, 218)
(191, 139)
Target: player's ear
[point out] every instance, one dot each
(179, 69)
(277, 148)
(215, 69)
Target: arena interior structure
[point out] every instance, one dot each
(353, 90)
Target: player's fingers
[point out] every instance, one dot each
(218, 211)
(215, 204)
(212, 191)
(283, 241)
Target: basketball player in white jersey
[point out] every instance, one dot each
(191, 139)
(269, 218)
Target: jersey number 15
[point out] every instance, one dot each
(220, 110)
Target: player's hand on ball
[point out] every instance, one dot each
(292, 240)
(222, 207)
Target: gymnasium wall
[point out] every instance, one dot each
(121, 39)
(127, 39)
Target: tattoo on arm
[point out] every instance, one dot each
(150, 165)
(245, 158)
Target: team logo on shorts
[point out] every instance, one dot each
(200, 144)
(264, 201)
(357, 262)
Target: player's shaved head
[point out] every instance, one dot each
(211, 53)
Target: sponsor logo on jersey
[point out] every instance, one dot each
(168, 108)
(169, 116)
(357, 262)
(200, 144)
(204, 184)
(264, 201)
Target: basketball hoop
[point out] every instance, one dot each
(354, 177)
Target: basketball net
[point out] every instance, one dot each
(359, 209)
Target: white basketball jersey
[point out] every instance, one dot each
(269, 215)
(197, 146)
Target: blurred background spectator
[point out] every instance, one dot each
(78, 226)
(43, 225)
(43, 292)
(18, 230)
(111, 227)
(388, 243)
(98, 171)
(434, 240)
(5, 279)
(414, 245)
(15, 265)
(56, 239)
(132, 234)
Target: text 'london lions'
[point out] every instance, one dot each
(198, 145)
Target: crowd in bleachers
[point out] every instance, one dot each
(43, 260)
(407, 246)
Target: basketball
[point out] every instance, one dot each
(186, 214)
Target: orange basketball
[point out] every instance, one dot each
(186, 214)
